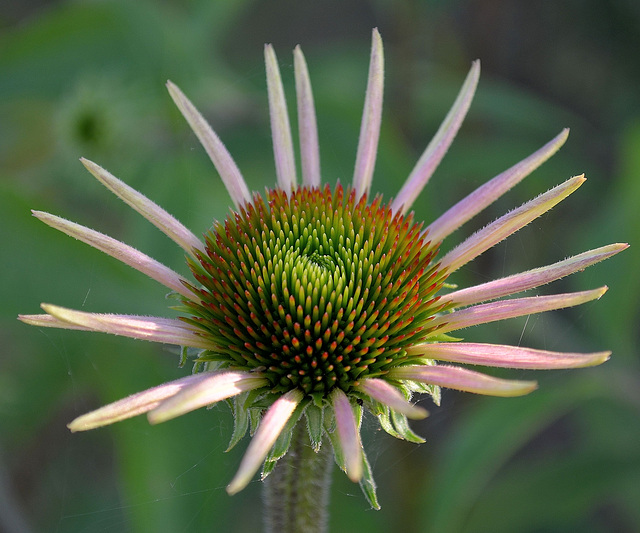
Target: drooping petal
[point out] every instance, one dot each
(216, 386)
(155, 329)
(387, 394)
(220, 157)
(268, 431)
(162, 220)
(507, 224)
(505, 356)
(491, 312)
(453, 377)
(280, 127)
(437, 148)
(133, 405)
(371, 119)
(307, 126)
(48, 321)
(488, 193)
(348, 434)
(122, 252)
(531, 278)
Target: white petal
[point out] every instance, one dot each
(280, 127)
(269, 430)
(219, 155)
(531, 278)
(214, 387)
(506, 356)
(122, 252)
(453, 377)
(348, 434)
(307, 127)
(148, 209)
(500, 229)
(437, 148)
(133, 405)
(488, 193)
(371, 119)
(504, 309)
(155, 329)
(387, 394)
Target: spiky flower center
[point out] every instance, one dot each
(315, 289)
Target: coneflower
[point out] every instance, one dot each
(311, 304)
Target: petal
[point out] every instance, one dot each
(280, 128)
(271, 425)
(122, 252)
(220, 157)
(488, 193)
(387, 394)
(498, 230)
(48, 321)
(491, 312)
(133, 405)
(371, 119)
(437, 148)
(155, 329)
(148, 209)
(453, 377)
(506, 356)
(214, 387)
(530, 279)
(348, 434)
(308, 129)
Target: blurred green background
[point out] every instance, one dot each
(86, 78)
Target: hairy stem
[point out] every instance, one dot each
(296, 493)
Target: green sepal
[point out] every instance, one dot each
(318, 399)
(368, 484)
(384, 417)
(184, 355)
(401, 424)
(240, 420)
(330, 427)
(315, 418)
(254, 420)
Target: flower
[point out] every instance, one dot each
(315, 303)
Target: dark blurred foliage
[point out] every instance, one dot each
(86, 79)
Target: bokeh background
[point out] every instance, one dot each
(86, 78)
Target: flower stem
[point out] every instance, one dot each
(296, 493)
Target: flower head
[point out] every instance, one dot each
(311, 304)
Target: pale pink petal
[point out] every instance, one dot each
(216, 386)
(491, 312)
(385, 393)
(506, 356)
(122, 252)
(269, 430)
(437, 148)
(500, 229)
(280, 127)
(148, 209)
(220, 157)
(155, 329)
(133, 405)
(48, 321)
(348, 434)
(488, 193)
(371, 119)
(453, 377)
(308, 129)
(530, 279)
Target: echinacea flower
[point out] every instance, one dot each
(310, 304)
